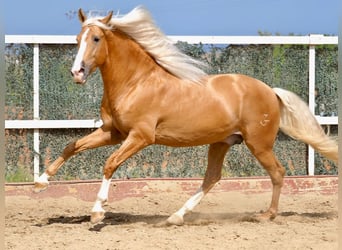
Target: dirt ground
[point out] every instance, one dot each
(220, 221)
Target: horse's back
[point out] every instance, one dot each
(240, 85)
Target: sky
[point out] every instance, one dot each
(181, 17)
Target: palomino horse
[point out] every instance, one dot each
(154, 94)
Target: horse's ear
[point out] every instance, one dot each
(81, 16)
(106, 19)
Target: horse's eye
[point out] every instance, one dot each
(96, 39)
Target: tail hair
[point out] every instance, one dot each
(297, 121)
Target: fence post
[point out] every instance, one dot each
(36, 110)
(312, 61)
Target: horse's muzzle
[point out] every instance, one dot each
(79, 76)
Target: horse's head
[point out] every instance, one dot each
(92, 47)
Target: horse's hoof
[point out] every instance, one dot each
(175, 219)
(97, 217)
(265, 216)
(40, 186)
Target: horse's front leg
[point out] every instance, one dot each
(130, 146)
(96, 139)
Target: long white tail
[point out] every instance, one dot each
(297, 121)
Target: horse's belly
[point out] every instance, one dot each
(192, 134)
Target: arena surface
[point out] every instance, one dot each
(59, 217)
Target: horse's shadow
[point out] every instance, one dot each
(110, 219)
(192, 219)
(318, 215)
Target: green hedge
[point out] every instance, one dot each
(283, 66)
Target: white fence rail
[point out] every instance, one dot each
(36, 123)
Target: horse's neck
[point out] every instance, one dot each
(126, 65)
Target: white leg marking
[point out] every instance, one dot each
(79, 57)
(98, 206)
(191, 203)
(102, 195)
(44, 178)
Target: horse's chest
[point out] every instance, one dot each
(122, 122)
(119, 123)
(114, 119)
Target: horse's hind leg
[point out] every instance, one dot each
(216, 154)
(276, 171)
(96, 139)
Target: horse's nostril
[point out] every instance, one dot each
(72, 73)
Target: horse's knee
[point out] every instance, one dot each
(69, 150)
(210, 181)
(110, 167)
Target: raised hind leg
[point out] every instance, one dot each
(216, 154)
(96, 139)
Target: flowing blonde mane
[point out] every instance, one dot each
(139, 25)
